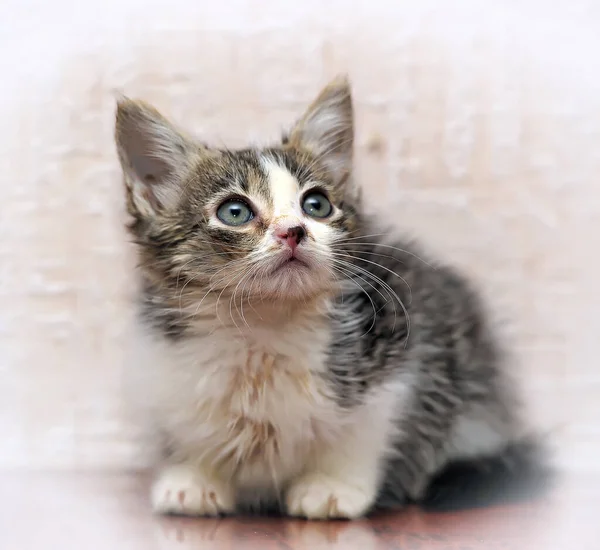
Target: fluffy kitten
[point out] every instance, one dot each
(289, 354)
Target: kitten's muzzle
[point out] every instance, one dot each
(291, 236)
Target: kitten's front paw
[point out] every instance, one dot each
(319, 496)
(183, 490)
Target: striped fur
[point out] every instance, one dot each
(346, 378)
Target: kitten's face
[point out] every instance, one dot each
(265, 223)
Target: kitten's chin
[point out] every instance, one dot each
(294, 279)
(291, 267)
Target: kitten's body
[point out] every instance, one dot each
(328, 387)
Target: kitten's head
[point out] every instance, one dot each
(260, 222)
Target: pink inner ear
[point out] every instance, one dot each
(149, 169)
(151, 198)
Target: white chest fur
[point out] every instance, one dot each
(250, 404)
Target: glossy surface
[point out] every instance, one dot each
(234, 212)
(110, 512)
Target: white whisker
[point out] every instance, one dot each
(379, 245)
(338, 254)
(351, 279)
(389, 289)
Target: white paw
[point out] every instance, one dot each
(184, 490)
(318, 496)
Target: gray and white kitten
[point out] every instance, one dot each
(288, 353)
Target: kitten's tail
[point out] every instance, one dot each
(518, 472)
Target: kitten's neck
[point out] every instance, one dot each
(278, 313)
(252, 313)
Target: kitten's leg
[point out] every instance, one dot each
(421, 448)
(186, 489)
(343, 479)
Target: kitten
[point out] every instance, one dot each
(289, 354)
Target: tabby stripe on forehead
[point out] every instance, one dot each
(241, 171)
(299, 166)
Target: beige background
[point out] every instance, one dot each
(478, 130)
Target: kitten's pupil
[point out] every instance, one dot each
(315, 204)
(235, 211)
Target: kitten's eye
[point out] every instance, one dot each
(317, 205)
(234, 212)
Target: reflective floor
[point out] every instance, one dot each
(110, 512)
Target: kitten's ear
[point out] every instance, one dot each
(327, 128)
(154, 156)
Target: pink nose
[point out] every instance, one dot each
(291, 236)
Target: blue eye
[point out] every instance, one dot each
(317, 205)
(234, 212)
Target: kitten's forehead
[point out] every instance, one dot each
(282, 184)
(244, 173)
(273, 178)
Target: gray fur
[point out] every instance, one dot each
(400, 315)
(430, 328)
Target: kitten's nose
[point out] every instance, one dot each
(292, 236)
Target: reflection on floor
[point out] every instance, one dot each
(110, 512)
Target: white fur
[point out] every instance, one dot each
(284, 189)
(185, 490)
(287, 195)
(242, 405)
(246, 412)
(317, 496)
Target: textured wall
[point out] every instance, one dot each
(478, 130)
